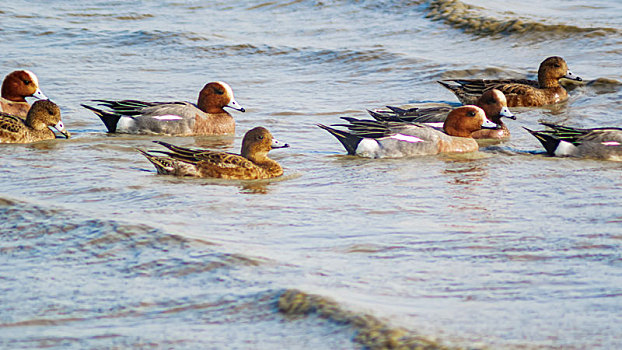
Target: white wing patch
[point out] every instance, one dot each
(611, 143)
(407, 138)
(168, 117)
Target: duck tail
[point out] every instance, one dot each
(162, 164)
(110, 119)
(548, 141)
(349, 141)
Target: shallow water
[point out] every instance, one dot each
(505, 248)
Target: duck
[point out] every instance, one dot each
(16, 86)
(385, 139)
(252, 163)
(42, 116)
(207, 117)
(519, 92)
(564, 141)
(493, 102)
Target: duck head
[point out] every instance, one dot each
(464, 120)
(215, 96)
(20, 84)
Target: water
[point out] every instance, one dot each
(505, 248)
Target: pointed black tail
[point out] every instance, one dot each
(109, 119)
(547, 140)
(349, 141)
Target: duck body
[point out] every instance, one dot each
(389, 139)
(519, 92)
(207, 117)
(43, 115)
(493, 102)
(251, 164)
(596, 143)
(16, 86)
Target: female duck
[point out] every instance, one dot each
(519, 92)
(207, 117)
(376, 139)
(15, 88)
(493, 102)
(43, 115)
(252, 163)
(598, 143)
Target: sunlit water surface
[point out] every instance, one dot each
(505, 248)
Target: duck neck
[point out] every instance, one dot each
(451, 131)
(546, 82)
(204, 104)
(8, 95)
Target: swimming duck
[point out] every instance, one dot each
(43, 115)
(377, 139)
(252, 163)
(207, 117)
(493, 102)
(15, 88)
(519, 92)
(598, 143)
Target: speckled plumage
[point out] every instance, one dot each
(519, 92)
(43, 115)
(252, 163)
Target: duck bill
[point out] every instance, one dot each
(234, 105)
(505, 112)
(278, 144)
(39, 95)
(487, 124)
(60, 127)
(571, 76)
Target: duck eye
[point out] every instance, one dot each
(27, 82)
(471, 114)
(556, 65)
(219, 92)
(260, 137)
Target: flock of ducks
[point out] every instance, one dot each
(392, 133)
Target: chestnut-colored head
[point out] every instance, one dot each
(462, 121)
(46, 114)
(215, 96)
(495, 105)
(20, 84)
(258, 142)
(551, 70)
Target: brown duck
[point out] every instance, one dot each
(43, 115)
(252, 163)
(519, 92)
(493, 102)
(15, 88)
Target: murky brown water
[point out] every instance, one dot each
(505, 248)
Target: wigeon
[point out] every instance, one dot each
(15, 88)
(252, 163)
(377, 139)
(519, 92)
(207, 117)
(493, 102)
(598, 143)
(43, 115)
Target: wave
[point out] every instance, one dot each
(467, 17)
(371, 332)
